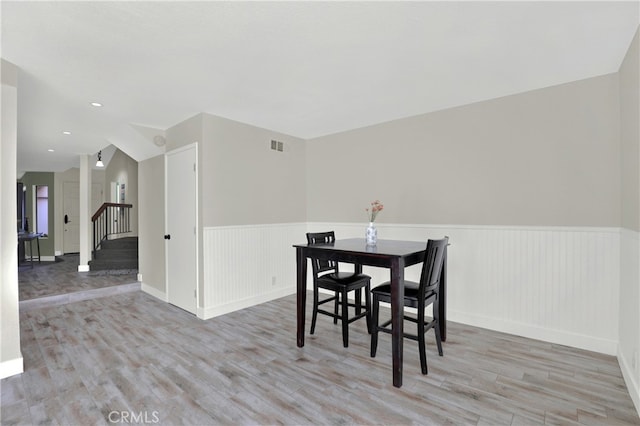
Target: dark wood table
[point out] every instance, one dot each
(392, 254)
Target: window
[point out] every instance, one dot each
(42, 209)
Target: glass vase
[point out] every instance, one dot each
(372, 235)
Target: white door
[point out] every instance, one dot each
(181, 238)
(71, 217)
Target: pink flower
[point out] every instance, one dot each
(376, 207)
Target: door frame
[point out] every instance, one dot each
(190, 146)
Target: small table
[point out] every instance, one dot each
(392, 254)
(24, 237)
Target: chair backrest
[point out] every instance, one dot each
(432, 266)
(321, 266)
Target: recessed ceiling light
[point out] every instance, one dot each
(96, 104)
(51, 150)
(66, 132)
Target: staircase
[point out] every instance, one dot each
(120, 254)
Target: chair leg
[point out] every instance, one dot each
(345, 319)
(421, 342)
(367, 303)
(335, 307)
(436, 328)
(374, 326)
(315, 309)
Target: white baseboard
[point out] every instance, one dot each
(632, 385)
(154, 292)
(11, 367)
(530, 331)
(83, 268)
(214, 311)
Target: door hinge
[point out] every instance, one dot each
(195, 293)
(194, 167)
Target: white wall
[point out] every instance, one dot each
(248, 264)
(10, 355)
(548, 283)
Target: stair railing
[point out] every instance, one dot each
(110, 219)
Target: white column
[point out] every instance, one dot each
(11, 361)
(85, 213)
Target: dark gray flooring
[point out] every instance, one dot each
(99, 351)
(47, 279)
(131, 355)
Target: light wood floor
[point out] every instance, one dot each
(89, 362)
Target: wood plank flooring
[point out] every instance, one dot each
(132, 357)
(62, 278)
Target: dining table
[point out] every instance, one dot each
(395, 255)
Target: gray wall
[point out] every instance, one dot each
(241, 180)
(124, 170)
(245, 182)
(546, 157)
(630, 136)
(184, 133)
(30, 179)
(151, 230)
(629, 317)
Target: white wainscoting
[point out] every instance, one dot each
(557, 284)
(629, 346)
(248, 265)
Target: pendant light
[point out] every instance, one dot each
(99, 163)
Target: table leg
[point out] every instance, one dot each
(31, 252)
(397, 319)
(301, 285)
(38, 244)
(442, 300)
(357, 269)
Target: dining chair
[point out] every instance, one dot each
(326, 275)
(416, 295)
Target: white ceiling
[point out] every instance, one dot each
(302, 68)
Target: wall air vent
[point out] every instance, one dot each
(277, 145)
